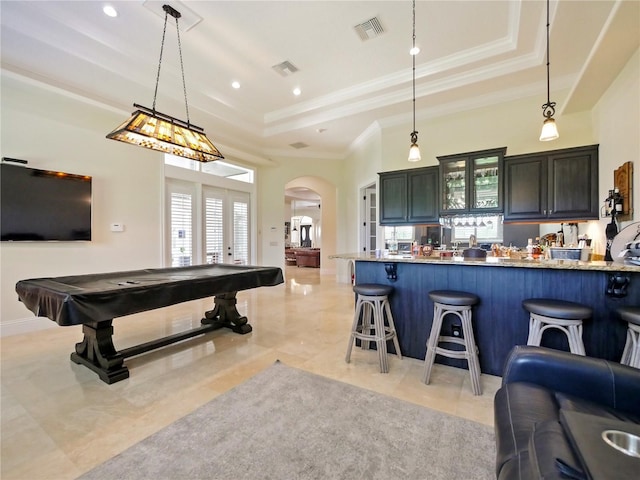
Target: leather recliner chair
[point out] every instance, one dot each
(538, 382)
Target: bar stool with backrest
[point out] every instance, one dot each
(548, 313)
(369, 325)
(631, 353)
(457, 303)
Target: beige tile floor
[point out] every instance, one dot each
(59, 420)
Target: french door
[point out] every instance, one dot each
(206, 225)
(226, 226)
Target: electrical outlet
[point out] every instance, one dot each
(456, 331)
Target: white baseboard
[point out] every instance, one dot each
(25, 325)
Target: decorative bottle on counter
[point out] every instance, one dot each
(530, 249)
(393, 245)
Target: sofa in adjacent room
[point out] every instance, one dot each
(308, 257)
(542, 389)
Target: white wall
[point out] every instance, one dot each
(616, 122)
(60, 133)
(323, 177)
(360, 170)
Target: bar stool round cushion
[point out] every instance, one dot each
(454, 297)
(630, 314)
(372, 289)
(553, 308)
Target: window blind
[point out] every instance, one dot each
(181, 229)
(214, 230)
(241, 232)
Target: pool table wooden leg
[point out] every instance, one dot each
(96, 351)
(225, 314)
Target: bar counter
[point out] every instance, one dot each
(499, 320)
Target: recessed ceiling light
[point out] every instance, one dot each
(235, 85)
(109, 11)
(414, 51)
(297, 91)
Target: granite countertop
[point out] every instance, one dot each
(617, 266)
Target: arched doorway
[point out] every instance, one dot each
(313, 198)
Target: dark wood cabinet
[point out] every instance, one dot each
(393, 198)
(471, 183)
(559, 185)
(409, 197)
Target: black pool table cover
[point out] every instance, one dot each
(80, 299)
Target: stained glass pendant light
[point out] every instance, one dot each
(414, 150)
(149, 128)
(549, 129)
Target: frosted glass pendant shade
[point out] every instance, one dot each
(549, 130)
(414, 153)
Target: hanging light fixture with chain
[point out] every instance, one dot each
(414, 150)
(293, 203)
(549, 128)
(149, 128)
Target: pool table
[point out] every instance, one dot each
(94, 300)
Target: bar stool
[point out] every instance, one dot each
(631, 353)
(372, 307)
(456, 303)
(547, 313)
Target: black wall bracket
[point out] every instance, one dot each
(392, 271)
(618, 284)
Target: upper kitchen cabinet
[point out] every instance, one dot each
(409, 197)
(559, 185)
(472, 182)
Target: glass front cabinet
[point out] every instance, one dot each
(471, 182)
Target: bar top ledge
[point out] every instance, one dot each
(616, 266)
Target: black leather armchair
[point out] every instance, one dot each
(537, 383)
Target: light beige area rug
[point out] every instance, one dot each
(287, 424)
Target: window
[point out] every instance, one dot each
(240, 232)
(207, 212)
(214, 238)
(402, 234)
(486, 228)
(217, 168)
(181, 227)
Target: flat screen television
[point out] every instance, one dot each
(43, 205)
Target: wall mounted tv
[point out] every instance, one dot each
(43, 205)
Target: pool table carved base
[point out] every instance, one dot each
(225, 314)
(97, 352)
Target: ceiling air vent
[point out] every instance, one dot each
(298, 145)
(369, 29)
(285, 68)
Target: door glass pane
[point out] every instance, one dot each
(214, 231)
(485, 178)
(453, 189)
(240, 232)
(181, 229)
